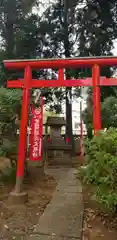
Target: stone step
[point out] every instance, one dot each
(60, 161)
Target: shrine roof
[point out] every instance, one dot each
(56, 121)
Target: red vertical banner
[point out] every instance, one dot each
(36, 137)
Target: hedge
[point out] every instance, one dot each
(101, 169)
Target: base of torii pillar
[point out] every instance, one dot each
(18, 196)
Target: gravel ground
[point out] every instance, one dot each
(97, 225)
(16, 222)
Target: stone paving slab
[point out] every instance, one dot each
(62, 173)
(64, 215)
(63, 198)
(45, 237)
(70, 188)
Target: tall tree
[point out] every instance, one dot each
(61, 19)
(98, 29)
(12, 14)
(68, 90)
(20, 32)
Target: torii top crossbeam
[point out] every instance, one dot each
(61, 63)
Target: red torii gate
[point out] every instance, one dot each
(27, 83)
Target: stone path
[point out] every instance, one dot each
(63, 217)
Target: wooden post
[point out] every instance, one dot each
(96, 98)
(81, 136)
(23, 129)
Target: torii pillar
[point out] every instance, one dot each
(96, 98)
(17, 196)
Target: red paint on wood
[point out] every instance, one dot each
(24, 122)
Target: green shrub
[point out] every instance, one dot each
(8, 149)
(8, 175)
(10, 107)
(101, 170)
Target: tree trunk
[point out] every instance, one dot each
(10, 12)
(68, 90)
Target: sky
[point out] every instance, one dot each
(115, 48)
